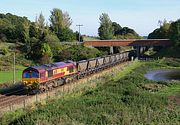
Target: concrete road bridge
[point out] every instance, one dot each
(139, 44)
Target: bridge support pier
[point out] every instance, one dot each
(111, 50)
(138, 49)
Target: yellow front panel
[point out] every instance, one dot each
(30, 81)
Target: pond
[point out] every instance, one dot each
(163, 74)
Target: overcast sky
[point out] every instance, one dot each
(141, 15)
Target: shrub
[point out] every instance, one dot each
(78, 52)
(5, 51)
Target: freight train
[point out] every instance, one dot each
(48, 76)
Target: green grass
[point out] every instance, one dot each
(7, 76)
(127, 70)
(170, 90)
(120, 99)
(6, 63)
(6, 45)
(85, 38)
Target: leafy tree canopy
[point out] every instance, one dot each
(113, 30)
(59, 20)
(162, 32)
(106, 29)
(174, 32)
(117, 28)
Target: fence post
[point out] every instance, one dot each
(24, 103)
(55, 93)
(36, 98)
(46, 94)
(10, 106)
(63, 91)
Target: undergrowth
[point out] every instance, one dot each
(128, 99)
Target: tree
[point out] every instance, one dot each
(40, 21)
(23, 30)
(33, 30)
(60, 23)
(77, 36)
(105, 30)
(174, 32)
(162, 32)
(54, 43)
(46, 54)
(117, 28)
(14, 27)
(67, 20)
(127, 30)
(59, 20)
(78, 52)
(66, 35)
(56, 20)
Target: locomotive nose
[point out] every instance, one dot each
(29, 81)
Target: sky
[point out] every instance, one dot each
(141, 15)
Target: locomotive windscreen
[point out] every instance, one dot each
(31, 74)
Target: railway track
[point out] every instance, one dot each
(12, 97)
(18, 96)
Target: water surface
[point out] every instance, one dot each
(163, 74)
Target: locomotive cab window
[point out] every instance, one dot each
(31, 74)
(26, 75)
(35, 74)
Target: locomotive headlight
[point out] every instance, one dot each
(25, 82)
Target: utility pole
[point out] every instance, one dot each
(14, 68)
(79, 30)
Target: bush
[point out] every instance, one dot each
(51, 38)
(78, 52)
(66, 35)
(5, 51)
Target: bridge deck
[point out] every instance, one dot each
(130, 42)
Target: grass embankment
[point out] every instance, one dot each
(126, 98)
(7, 76)
(7, 60)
